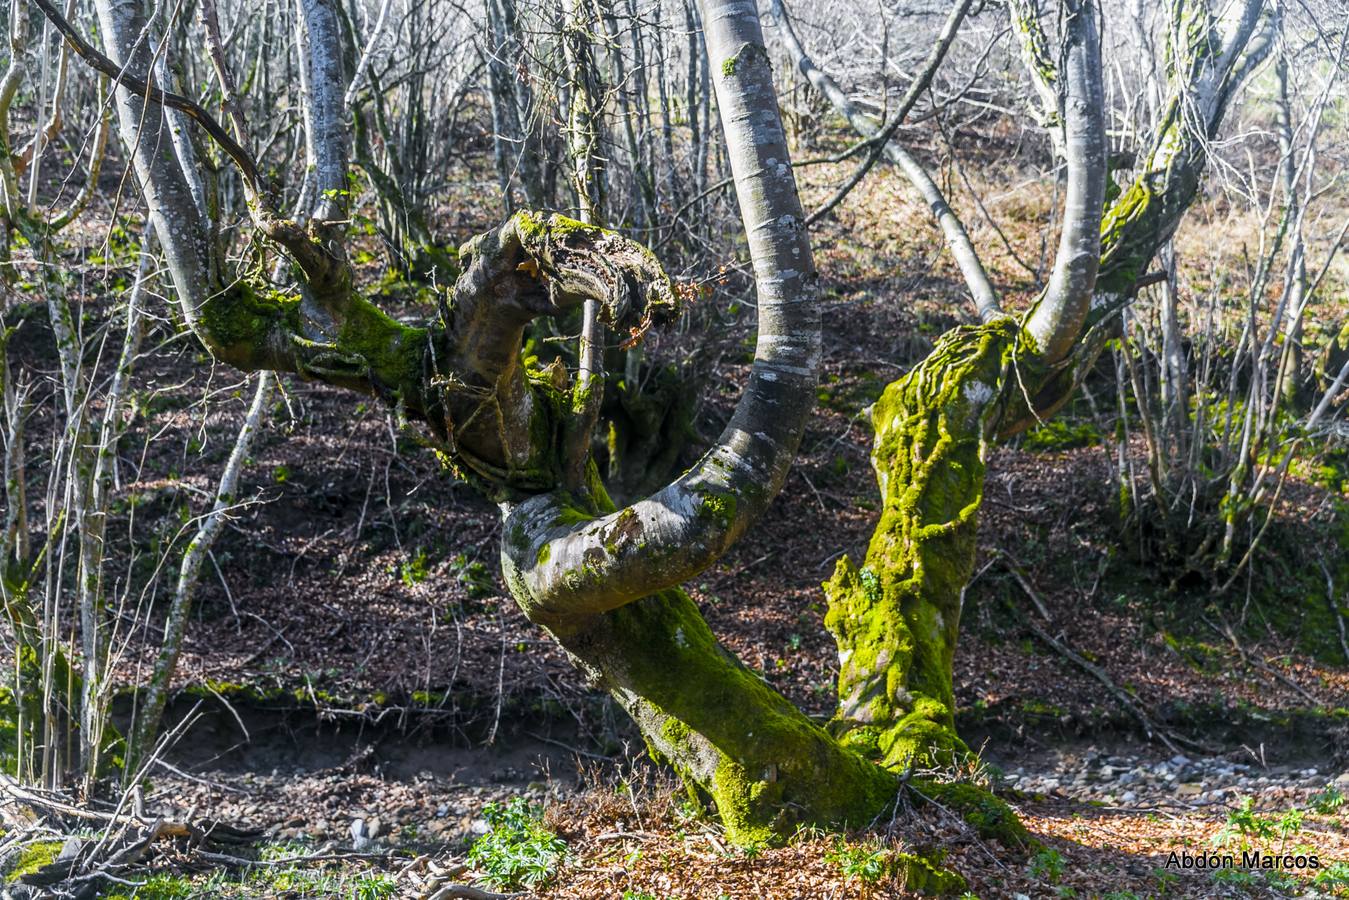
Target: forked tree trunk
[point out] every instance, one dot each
(896, 619)
(733, 738)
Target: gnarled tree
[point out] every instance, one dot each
(604, 581)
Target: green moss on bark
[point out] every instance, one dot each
(896, 619)
(990, 817)
(718, 507)
(393, 351)
(925, 875)
(728, 734)
(239, 322)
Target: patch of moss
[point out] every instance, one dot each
(1033, 707)
(32, 858)
(990, 817)
(1057, 434)
(238, 321)
(394, 352)
(718, 507)
(924, 874)
(1131, 203)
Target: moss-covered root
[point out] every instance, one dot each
(895, 620)
(730, 736)
(923, 874)
(991, 818)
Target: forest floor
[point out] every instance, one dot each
(362, 687)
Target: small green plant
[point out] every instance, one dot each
(519, 851)
(279, 850)
(281, 474)
(1289, 823)
(1336, 875)
(867, 863)
(414, 570)
(1048, 865)
(1234, 877)
(1165, 880)
(372, 886)
(1328, 802)
(473, 575)
(1245, 824)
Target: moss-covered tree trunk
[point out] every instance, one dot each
(731, 737)
(896, 618)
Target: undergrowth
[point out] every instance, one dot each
(519, 851)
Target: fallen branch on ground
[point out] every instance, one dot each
(1150, 728)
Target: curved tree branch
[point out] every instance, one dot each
(124, 77)
(957, 238)
(564, 564)
(1057, 318)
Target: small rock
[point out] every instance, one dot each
(70, 849)
(1190, 789)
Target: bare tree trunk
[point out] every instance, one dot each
(155, 691)
(1289, 379)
